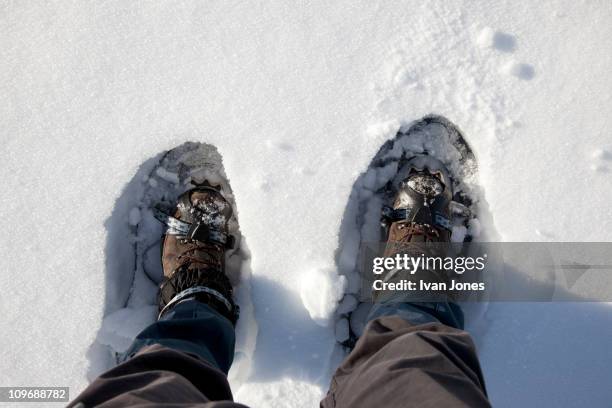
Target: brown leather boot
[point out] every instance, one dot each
(421, 208)
(418, 219)
(193, 252)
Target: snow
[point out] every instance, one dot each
(121, 327)
(321, 290)
(602, 154)
(297, 98)
(519, 70)
(342, 330)
(134, 216)
(347, 304)
(167, 175)
(458, 234)
(500, 41)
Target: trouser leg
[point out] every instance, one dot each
(181, 359)
(396, 363)
(195, 328)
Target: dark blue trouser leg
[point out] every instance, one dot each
(194, 328)
(447, 313)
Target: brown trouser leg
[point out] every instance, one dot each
(398, 364)
(156, 377)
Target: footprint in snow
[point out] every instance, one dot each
(498, 40)
(520, 70)
(284, 146)
(506, 43)
(600, 157)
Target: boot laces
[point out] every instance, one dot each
(414, 229)
(202, 254)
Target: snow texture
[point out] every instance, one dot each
(297, 98)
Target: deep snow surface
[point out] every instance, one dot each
(298, 97)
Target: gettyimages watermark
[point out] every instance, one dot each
(477, 271)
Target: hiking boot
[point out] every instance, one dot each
(193, 252)
(421, 208)
(418, 221)
(419, 225)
